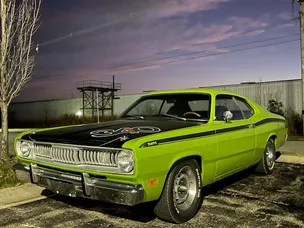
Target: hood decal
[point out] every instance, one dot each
(112, 133)
(125, 130)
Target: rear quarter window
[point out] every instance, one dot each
(245, 107)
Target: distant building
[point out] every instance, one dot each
(289, 92)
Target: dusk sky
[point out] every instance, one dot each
(145, 52)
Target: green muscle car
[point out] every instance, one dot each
(164, 148)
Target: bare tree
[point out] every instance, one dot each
(19, 22)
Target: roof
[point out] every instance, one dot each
(213, 89)
(194, 90)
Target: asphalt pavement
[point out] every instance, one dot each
(243, 200)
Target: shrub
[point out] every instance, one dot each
(276, 107)
(294, 120)
(295, 125)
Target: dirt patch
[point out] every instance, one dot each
(7, 176)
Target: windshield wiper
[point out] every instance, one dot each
(130, 115)
(176, 117)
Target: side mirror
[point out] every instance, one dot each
(227, 115)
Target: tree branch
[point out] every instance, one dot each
(19, 22)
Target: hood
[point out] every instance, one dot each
(109, 134)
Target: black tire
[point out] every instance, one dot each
(167, 208)
(263, 167)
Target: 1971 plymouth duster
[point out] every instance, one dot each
(164, 148)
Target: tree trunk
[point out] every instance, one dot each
(4, 154)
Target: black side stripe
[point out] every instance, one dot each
(208, 133)
(196, 135)
(269, 120)
(225, 130)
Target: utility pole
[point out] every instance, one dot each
(301, 17)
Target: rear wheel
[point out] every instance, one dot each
(181, 197)
(267, 163)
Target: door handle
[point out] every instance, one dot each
(251, 126)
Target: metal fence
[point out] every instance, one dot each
(289, 92)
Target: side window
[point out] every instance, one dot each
(227, 103)
(245, 107)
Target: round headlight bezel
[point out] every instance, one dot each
(125, 161)
(25, 148)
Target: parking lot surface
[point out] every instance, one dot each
(244, 200)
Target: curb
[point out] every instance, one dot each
(20, 195)
(19, 130)
(288, 153)
(30, 200)
(291, 157)
(295, 138)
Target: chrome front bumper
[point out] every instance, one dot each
(81, 185)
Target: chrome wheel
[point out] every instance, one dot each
(181, 198)
(185, 188)
(270, 156)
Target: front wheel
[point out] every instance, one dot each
(181, 198)
(266, 164)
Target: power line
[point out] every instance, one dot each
(196, 57)
(115, 21)
(213, 54)
(250, 31)
(180, 55)
(186, 59)
(103, 25)
(202, 51)
(202, 43)
(241, 33)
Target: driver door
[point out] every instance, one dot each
(236, 138)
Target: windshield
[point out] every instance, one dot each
(183, 106)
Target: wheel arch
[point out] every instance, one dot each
(274, 137)
(165, 201)
(261, 166)
(196, 157)
(178, 159)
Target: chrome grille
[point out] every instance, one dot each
(42, 150)
(76, 156)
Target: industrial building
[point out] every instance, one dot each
(289, 92)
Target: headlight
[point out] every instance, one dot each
(24, 148)
(125, 160)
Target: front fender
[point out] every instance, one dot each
(155, 162)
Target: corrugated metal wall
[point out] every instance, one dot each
(42, 110)
(289, 92)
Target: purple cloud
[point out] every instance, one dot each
(154, 39)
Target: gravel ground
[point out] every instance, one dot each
(244, 200)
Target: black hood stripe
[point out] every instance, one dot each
(108, 133)
(213, 132)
